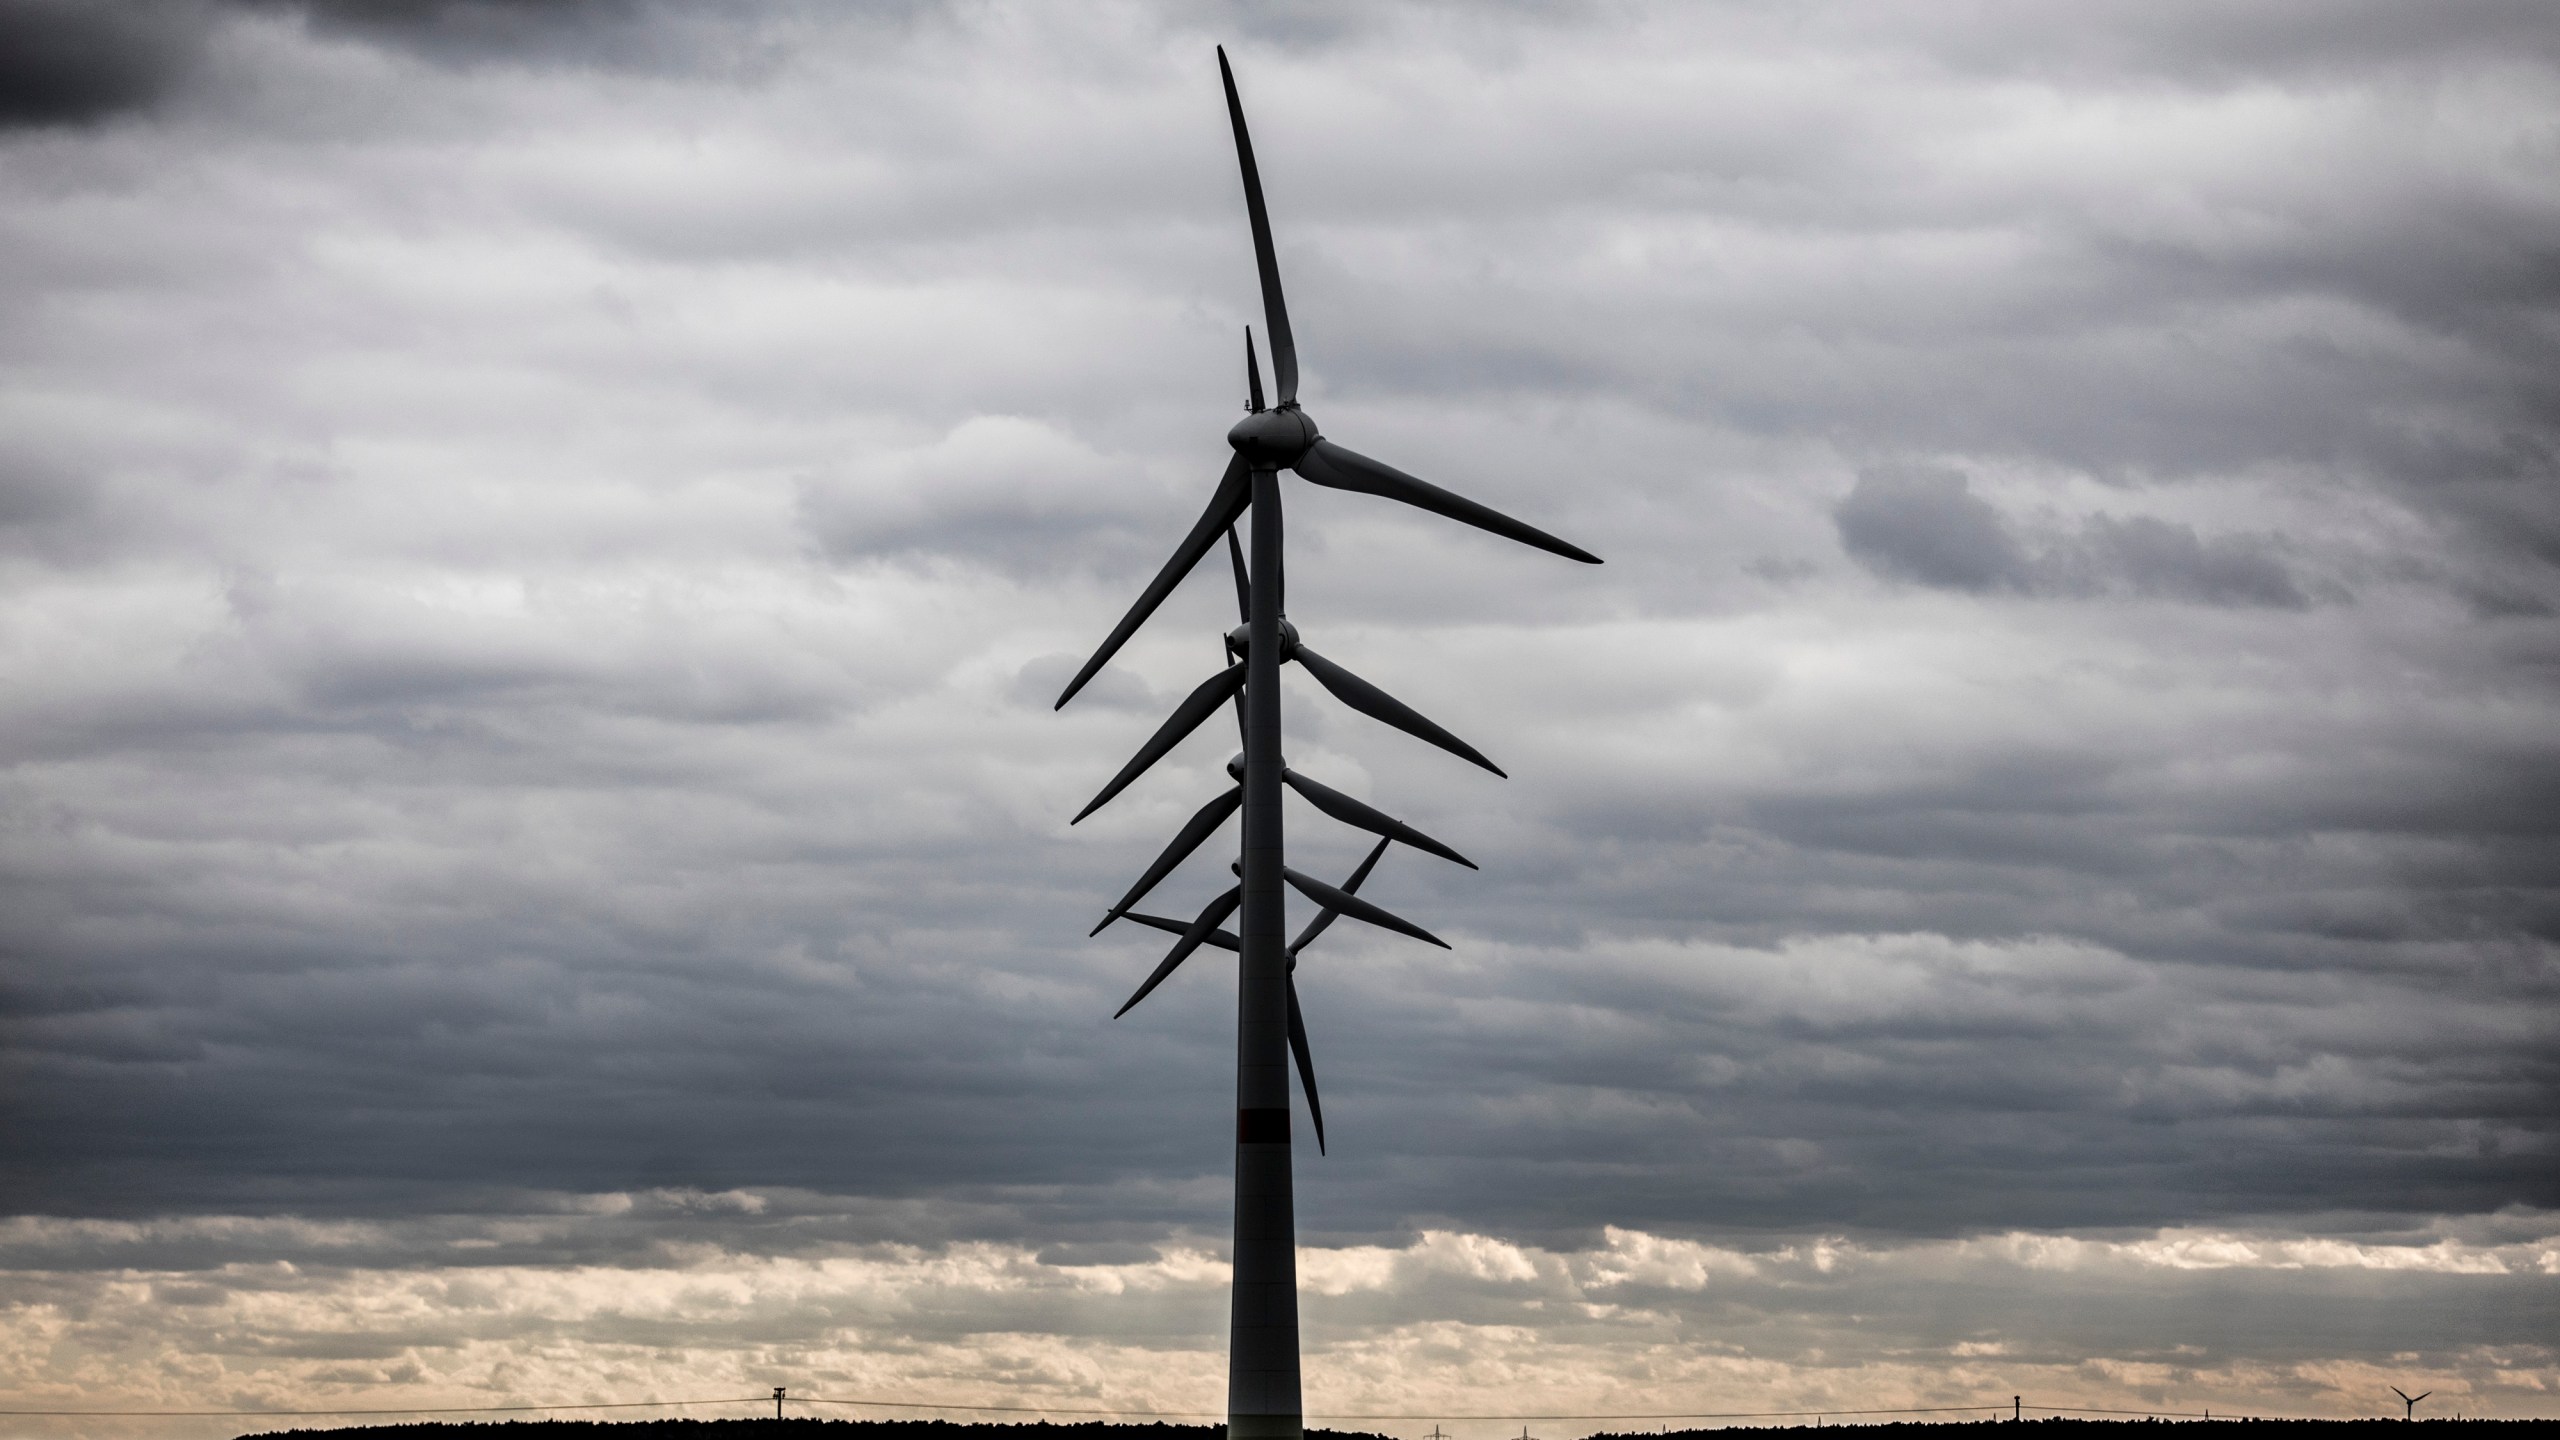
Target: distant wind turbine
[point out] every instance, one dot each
(1262, 1360)
(2411, 1401)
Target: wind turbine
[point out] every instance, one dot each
(2411, 1401)
(1262, 1357)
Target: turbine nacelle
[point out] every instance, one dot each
(1273, 439)
(1240, 641)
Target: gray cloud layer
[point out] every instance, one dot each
(539, 541)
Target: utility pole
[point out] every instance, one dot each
(777, 1401)
(2013, 1408)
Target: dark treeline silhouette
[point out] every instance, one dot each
(788, 1428)
(798, 1428)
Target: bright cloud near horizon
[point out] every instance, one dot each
(538, 541)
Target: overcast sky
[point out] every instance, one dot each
(537, 542)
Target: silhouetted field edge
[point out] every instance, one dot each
(821, 1429)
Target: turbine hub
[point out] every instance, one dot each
(1273, 439)
(1240, 640)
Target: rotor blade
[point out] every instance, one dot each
(1210, 918)
(1351, 812)
(2421, 1395)
(1378, 705)
(1186, 717)
(1275, 311)
(1306, 1063)
(1223, 939)
(1357, 908)
(1244, 582)
(1244, 613)
(1324, 918)
(1326, 463)
(1208, 818)
(1252, 375)
(1235, 488)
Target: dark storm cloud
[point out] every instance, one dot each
(1924, 525)
(638, 36)
(478, 23)
(65, 62)
(536, 591)
(2157, 557)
